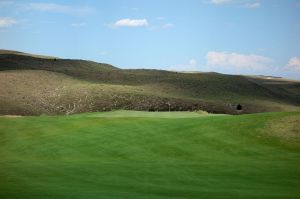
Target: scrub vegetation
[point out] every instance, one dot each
(36, 85)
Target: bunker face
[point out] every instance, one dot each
(109, 155)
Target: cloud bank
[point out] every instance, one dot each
(59, 8)
(191, 65)
(78, 24)
(252, 5)
(131, 23)
(220, 1)
(246, 3)
(236, 60)
(294, 64)
(7, 22)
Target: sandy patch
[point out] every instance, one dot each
(11, 116)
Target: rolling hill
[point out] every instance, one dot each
(113, 153)
(35, 85)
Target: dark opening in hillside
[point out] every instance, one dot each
(239, 107)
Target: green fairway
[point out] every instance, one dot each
(142, 114)
(128, 155)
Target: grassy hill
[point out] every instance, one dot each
(35, 85)
(127, 154)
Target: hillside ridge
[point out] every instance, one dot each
(33, 85)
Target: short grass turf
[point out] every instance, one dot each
(125, 154)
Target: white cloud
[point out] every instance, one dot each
(252, 5)
(160, 18)
(236, 60)
(135, 9)
(76, 25)
(59, 8)
(192, 65)
(193, 62)
(168, 25)
(131, 23)
(7, 22)
(218, 2)
(294, 64)
(241, 3)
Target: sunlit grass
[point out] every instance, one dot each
(128, 154)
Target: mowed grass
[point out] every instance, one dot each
(143, 114)
(132, 155)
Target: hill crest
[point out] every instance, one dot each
(29, 84)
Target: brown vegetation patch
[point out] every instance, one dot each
(11, 116)
(287, 128)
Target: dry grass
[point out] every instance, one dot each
(287, 129)
(36, 92)
(33, 85)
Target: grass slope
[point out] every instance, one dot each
(150, 155)
(33, 85)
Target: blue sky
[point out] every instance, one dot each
(227, 36)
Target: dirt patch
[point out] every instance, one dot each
(11, 116)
